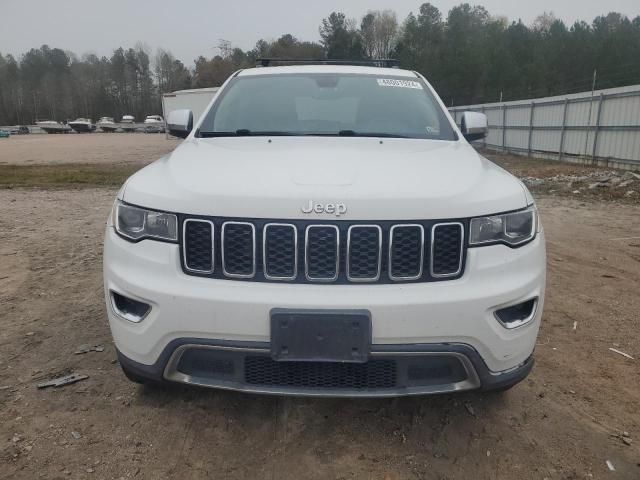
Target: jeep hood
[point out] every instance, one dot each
(377, 179)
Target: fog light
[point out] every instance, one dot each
(128, 308)
(517, 315)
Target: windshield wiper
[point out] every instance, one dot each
(244, 132)
(353, 133)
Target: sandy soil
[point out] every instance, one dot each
(84, 148)
(564, 422)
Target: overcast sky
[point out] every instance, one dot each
(189, 28)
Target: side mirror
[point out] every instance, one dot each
(180, 123)
(474, 126)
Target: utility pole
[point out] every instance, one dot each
(35, 106)
(225, 48)
(586, 135)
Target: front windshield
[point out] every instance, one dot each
(327, 104)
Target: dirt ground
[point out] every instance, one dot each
(564, 422)
(84, 148)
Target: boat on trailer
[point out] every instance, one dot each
(106, 124)
(128, 123)
(153, 124)
(51, 126)
(82, 125)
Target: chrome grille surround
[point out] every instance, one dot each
(397, 278)
(433, 247)
(264, 250)
(213, 243)
(376, 277)
(265, 238)
(253, 254)
(307, 231)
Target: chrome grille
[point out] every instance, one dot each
(198, 246)
(364, 253)
(280, 251)
(322, 253)
(239, 249)
(446, 249)
(299, 251)
(406, 252)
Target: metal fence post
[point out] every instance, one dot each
(504, 127)
(564, 129)
(484, 140)
(533, 105)
(597, 127)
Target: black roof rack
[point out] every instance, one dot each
(378, 62)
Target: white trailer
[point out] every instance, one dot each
(195, 100)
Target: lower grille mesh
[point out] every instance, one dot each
(374, 374)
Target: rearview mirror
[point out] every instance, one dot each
(180, 123)
(474, 126)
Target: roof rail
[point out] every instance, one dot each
(377, 62)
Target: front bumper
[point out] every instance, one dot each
(458, 311)
(392, 370)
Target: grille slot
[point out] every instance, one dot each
(406, 252)
(364, 253)
(446, 249)
(374, 374)
(322, 247)
(198, 246)
(239, 249)
(280, 251)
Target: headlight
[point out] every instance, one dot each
(136, 223)
(510, 228)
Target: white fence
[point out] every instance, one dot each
(603, 128)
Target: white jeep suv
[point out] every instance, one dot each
(325, 230)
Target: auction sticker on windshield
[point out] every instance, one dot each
(391, 82)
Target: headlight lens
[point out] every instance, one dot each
(136, 223)
(510, 228)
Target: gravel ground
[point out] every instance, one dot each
(570, 179)
(564, 422)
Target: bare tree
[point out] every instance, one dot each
(543, 22)
(368, 35)
(379, 32)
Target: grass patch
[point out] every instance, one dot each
(66, 175)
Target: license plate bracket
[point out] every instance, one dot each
(320, 335)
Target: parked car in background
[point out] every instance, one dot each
(20, 130)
